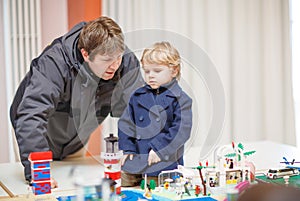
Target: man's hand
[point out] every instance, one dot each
(125, 156)
(53, 183)
(153, 158)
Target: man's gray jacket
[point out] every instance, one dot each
(60, 101)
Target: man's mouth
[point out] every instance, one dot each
(110, 73)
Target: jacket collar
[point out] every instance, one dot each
(87, 76)
(171, 89)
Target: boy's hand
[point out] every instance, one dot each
(125, 157)
(153, 158)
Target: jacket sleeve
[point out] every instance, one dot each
(127, 131)
(131, 79)
(30, 111)
(167, 144)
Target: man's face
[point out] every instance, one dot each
(104, 66)
(157, 75)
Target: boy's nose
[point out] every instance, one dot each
(151, 74)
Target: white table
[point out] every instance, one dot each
(11, 175)
(268, 154)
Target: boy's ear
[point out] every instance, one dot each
(174, 72)
(84, 54)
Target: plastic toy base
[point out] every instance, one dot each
(133, 195)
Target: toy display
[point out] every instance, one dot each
(291, 164)
(237, 190)
(286, 174)
(281, 172)
(99, 189)
(291, 181)
(107, 188)
(40, 172)
(112, 158)
(137, 195)
(230, 171)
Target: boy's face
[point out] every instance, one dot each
(157, 75)
(104, 66)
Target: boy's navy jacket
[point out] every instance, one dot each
(160, 120)
(60, 101)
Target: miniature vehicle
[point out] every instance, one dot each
(281, 172)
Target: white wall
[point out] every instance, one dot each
(54, 22)
(4, 156)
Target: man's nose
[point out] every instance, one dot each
(115, 65)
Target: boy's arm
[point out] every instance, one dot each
(127, 131)
(167, 144)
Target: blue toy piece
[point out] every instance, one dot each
(40, 188)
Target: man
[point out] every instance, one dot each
(71, 88)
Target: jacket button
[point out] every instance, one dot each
(157, 119)
(141, 118)
(138, 137)
(166, 157)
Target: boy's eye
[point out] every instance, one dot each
(157, 71)
(146, 71)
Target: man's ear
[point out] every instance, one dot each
(84, 54)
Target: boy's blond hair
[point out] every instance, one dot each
(162, 53)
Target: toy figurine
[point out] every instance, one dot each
(197, 190)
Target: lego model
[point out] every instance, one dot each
(204, 182)
(147, 187)
(237, 190)
(40, 172)
(170, 176)
(281, 172)
(291, 164)
(112, 158)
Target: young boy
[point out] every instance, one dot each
(158, 120)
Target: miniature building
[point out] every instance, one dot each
(112, 158)
(40, 172)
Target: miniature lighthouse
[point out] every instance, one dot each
(112, 163)
(40, 172)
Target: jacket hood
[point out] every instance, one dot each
(69, 44)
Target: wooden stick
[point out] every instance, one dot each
(7, 190)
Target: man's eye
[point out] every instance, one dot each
(107, 60)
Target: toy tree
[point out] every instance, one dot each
(239, 152)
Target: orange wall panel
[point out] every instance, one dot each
(78, 11)
(83, 10)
